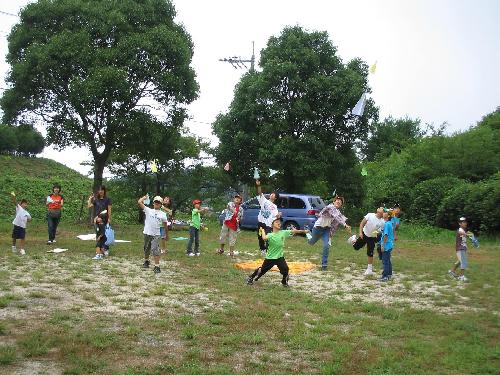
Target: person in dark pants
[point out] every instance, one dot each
(100, 236)
(268, 212)
(55, 202)
(100, 202)
(274, 255)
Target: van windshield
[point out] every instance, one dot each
(316, 203)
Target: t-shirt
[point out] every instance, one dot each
(461, 240)
(373, 224)
(268, 211)
(101, 204)
(395, 222)
(22, 217)
(232, 223)
(389, 232)
(54, 201)
(153, 222)
(195, 218)
(276, 243)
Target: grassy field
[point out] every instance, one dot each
(66, 314)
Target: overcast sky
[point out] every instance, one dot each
(437, 60)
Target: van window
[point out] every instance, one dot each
(282, 202)
(252, 203)
(316, 203)
(296, 203)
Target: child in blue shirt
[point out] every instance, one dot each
(396, 210)
(387, 244)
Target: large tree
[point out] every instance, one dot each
(294, 114)
(90, 69)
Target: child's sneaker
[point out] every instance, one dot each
(197, 254)
(309, 236)
(351, 240)
(463, 278)
(97, 257)
(145, 264)
(14, 249)
(190, 254)
(156, 269)
(22, 252)
(369, 272)
(250, 280)
(383, 279)
(49, 242)
(220, 251)
(452, 274)
(106, 253)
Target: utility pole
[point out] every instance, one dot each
(238, 63)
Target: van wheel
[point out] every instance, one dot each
(290, 225)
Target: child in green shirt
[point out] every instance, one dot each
(194, 229)
(274, 255)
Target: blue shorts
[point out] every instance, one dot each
(462, 258)
(18, 233)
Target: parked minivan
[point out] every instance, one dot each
(297, 211)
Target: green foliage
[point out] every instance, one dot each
(8, 139)
(479, 203)
(31, 141)
(427, 197)
(392, 135)
(291, 116)
(32, 179)
(89, 66)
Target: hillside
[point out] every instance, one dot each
(32, 179)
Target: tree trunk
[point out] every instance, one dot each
(99, 163)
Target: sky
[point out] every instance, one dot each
(437, 60)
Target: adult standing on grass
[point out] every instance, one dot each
(325, 227)
(230, 226)
(154, 218)
(55, 202)
(101, 202)
(369, 234)
(267, 214)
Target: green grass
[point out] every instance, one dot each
(199, 317)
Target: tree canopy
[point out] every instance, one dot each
(90, 70)
(294, 115)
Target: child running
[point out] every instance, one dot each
(194, 229)
(461, 251)
(100, 236)
(230, 227)
(274, 255)
(387, 244)
(20, 222)
(154, 218)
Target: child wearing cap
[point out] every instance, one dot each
(154, 218)
(230, 226)
(461, 251)
(194, 229)
(327, 224)
(20, 222)
(274, 254)
(100, 235)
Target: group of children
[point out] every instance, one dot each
(376, 230)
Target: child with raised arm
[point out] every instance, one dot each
(20, 222)
(274, 255)
(230, 226)
(154, 218)
(268, 212)
(100, 236)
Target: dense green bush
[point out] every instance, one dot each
(479, 203)
(22, 139)
(8, 139)
(427, 196)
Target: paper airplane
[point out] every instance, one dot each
(154, 168)
(373, 68)
(359, 108)
(256, 174)
(364, 172)
(272, 172)
(227, 167)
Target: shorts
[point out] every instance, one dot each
(370, 244)
(226, 233)
(101, 243)
(163, 235)
(151, 245)
(462, 258)
(18, 233)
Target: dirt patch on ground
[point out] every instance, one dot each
(113, 286)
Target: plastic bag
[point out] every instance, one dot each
(110, 235)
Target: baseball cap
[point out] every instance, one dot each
(462, 219)
(237, 195)
(196, 201)
(158, 199)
